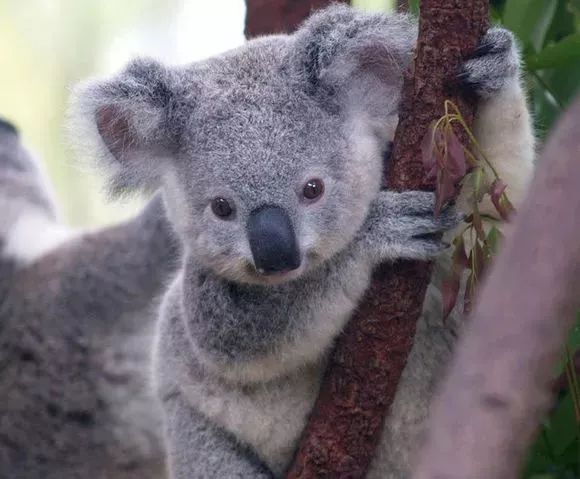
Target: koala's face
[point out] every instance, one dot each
(269, 155)
(267, 183)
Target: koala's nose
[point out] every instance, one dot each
(272, 240)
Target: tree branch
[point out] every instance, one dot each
(499, 384)
(264, 17)
(364, 370)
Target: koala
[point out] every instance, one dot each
(77, 313)
(269, 158)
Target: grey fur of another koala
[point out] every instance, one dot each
(77, 317)
(240, 354)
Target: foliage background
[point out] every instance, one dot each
(46, 46)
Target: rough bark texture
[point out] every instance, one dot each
(361, 381)
(499, 384)
(264, 17)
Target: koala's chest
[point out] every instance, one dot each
(269, 417)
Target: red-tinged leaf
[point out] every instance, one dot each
(500, 200)
(449, 293)
(496, 189)
(450, 286)
(456, 162)
(507, 207)
(444, 192)
(431, 174)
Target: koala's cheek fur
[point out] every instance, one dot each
(179, 212)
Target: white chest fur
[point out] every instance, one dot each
(269, 417)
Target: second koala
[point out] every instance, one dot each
(270, 161)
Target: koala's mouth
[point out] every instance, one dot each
(275, 277)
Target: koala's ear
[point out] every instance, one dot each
(355, 60)
(129, 123)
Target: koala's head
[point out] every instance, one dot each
(24, 189)
(268, 155)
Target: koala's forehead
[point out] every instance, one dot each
(253, 123)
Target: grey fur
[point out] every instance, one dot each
(75, 333)
(496, 58)
(240, 355)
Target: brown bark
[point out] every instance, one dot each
(499, 384)
(264, 17)
(364, 370)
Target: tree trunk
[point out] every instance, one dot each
(499, 384)
(366, 365)
(264, 17)
(364, 370)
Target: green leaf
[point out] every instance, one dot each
(562, 430)
(562, 23)
(494, 237)
(563, 53)
(540, 457)
(414, 7)
(570, 458)
(573, 343)
(563, 84)
(529, 20)
(574, 337)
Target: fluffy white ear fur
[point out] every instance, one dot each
(358, 61)
(120, 123)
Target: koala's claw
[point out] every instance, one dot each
(493, 65)
(432, 228)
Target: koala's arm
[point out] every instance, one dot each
(403, 226)
(503, 124)
(119, 268)
(197, 449)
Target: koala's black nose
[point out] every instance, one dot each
(272, 240)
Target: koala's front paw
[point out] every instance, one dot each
(403, 225)
(494, 64)
(424, 230)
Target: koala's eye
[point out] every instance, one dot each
(313, 189)
(221, 207)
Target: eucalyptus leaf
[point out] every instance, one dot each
(563, 53)
(529, 20)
